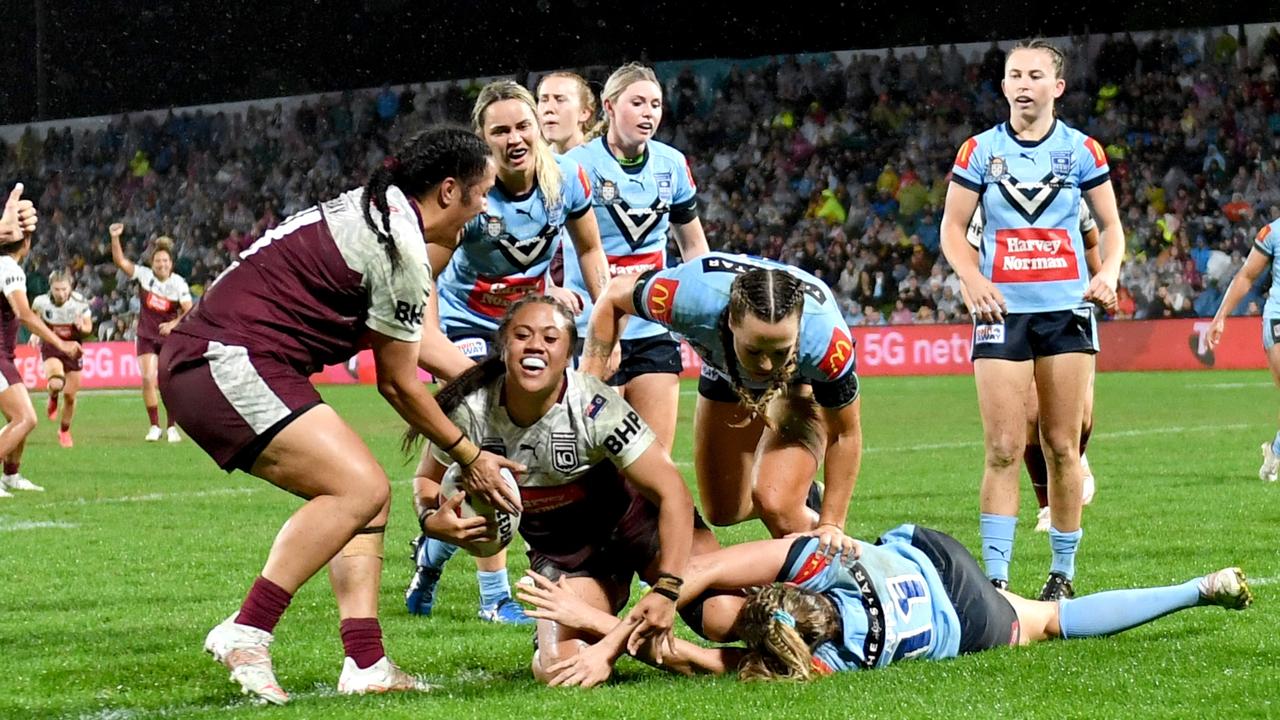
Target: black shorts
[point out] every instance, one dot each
(657, 354)
(715, 385)
(629, 550)
(987, 620)
(1026, 336)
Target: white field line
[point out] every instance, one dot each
(152, 497)
(1227, 385)
(1138, 432)
(1258, 582)
(18, 525)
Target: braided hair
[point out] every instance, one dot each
(493, 366)
(772, 296)
(423, 162)
(781, 624)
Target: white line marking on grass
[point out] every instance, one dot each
(1264, 581)
(1227, 385)
(1138, 432)
(16, 525)
(110, 392)
(153, 497)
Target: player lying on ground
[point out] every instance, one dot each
(602, 500)
(915, 593)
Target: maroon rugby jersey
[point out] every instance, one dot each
(308, 289)
(12, 279)
(161, 300)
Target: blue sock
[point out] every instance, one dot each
(1275, 444)
(997, 544)
(493, 586)
(438, 553)
(1107, 613)
(1064, 551)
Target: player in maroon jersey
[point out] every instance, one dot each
(67, 313)
(165, 300)
(16, 227)
(346, 274)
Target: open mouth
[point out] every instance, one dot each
(645, 127)
(517, 155)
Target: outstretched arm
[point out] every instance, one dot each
(117, 253)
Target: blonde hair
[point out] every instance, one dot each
(620, 80)
(550, 182)
(781, 624)
(164, 244)
(1055, 54)
(586, 98)
(60, 276)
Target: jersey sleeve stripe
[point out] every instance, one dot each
(1262, 248)
(1095, 182)
(966, 183)
(638, 293)
(575, 214)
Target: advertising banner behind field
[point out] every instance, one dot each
(884, 350)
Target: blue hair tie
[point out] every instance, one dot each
(785, 618)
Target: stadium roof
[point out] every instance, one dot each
(104, 57)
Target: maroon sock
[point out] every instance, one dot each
(168, 419)
(264, 605)
(154, 414)
(11, 468)
(66, 426)
(1033, 457)
(1085, 432)
(362, 641)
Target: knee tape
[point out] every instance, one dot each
(367, 542)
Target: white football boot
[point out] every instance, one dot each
(172, 434)
(1270, 463)
(380, 677)
(17, 482)
(1087, 484)
(245, 651)
(153, 434)
(1043, 521)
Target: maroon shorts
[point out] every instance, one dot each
(232, 401)
(69, 364)
(9, 374)
(148, 346)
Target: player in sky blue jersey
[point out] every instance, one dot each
(1262, 258)
(915, 593)
(641, 188)
(778, 394)
(1029, 293)
(503, 255)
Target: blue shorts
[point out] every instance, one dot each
(1026, 336)
(1270, 332)
(642, 356)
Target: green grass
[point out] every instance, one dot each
(140, 548)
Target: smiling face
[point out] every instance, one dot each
(537, 349)
(764, 348)
(511, 131)
(1031, 82)
(635, 114)
(161, 264)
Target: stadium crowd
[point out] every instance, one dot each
(839, 168)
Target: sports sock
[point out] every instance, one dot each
(494, 586)
(997, 543)
(264, 605)
(362, 640)
(153, 414)
(1064, 551)
(438, 553)
(1107, 613)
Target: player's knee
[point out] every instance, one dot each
(55, 383)
(1061, 448)
(780, 513)
(23, 422)
(1004, 450)
(546, 658)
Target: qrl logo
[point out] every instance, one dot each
(1034, 255)
(662, 299)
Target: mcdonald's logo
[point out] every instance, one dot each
(1095, 149)
(839, 353)
(662, 299)
(966, 152)
(1261, 237)
(812, 567)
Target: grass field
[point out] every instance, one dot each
(112, 578)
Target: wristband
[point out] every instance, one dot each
(465, 452)
(461, 436)
(668, 586)
(424, 516)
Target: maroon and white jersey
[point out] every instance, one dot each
(309, 289)
(573, 494)
(62, 318)
(12, 279)
(161, 300)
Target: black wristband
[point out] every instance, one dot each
(455, 443)
(667, 593)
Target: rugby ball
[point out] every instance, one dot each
(505, 524)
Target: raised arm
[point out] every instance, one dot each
(606, 324)
(117, 253)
